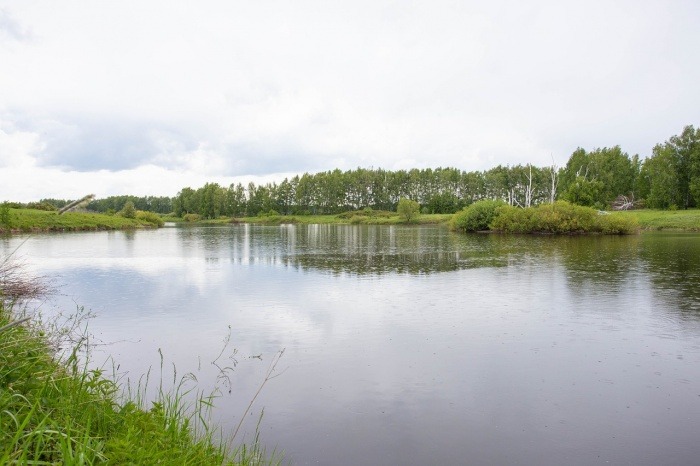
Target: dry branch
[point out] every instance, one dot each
(17, 285)
(75, 204)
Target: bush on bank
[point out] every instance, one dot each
(477, 216)
(149, 217)
(560, 217)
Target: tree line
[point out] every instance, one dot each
(669, 178)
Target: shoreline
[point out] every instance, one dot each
(27, 221)
(48, 222)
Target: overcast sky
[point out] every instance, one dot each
(147, 97)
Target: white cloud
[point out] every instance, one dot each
(256, 88)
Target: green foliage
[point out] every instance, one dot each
(561, 218)
(671, 176)
(653, 219)
(158, 204)
(617, 224)
(585, 192)
(128, 211)
(149, 217)
(42, 206)
(38, 220)
(597, 177)
(367, 212)
(54, 412)
(269, 213)
(5, 216)
(477, 216)
(57, 203)
(443, 203)
(408, 210)
(191, 217)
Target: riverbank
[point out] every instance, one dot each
(347, 218)
(30, 220)
(54, 412)
(370, 217)
(647, 219)
(565, 218)
(655, 220)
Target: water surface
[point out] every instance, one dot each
(408, 345)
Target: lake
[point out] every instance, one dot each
(404, 345)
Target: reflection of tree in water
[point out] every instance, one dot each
(591, 263)
(378, 264)
(610, 261)
(673, 264)
(372, 249)
(236, 242)
(669, 262)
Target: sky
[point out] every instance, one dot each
(147, 97)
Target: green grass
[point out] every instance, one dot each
(650, 219)
(347, 218)
(30, 220)
(59, 412)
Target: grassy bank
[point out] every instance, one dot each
(649, 219)
(30, 220)
(687, 220)
(347, 218)
(54, 412)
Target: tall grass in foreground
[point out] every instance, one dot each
(55, 411)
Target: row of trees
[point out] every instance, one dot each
(441, 190)
(112, 204)
(669, 178)
(158, 204)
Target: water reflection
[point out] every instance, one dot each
(673, 264)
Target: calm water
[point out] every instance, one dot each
(408, 345)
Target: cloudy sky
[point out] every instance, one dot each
(146, 97)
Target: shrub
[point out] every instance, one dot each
(408, 210)
(128, 211)
(560, 218)
(477, 216)
(149, 217)
(5, 217)
(191, 217)
(616, 224)
(41, 206)
(511, 219)
(564, 217)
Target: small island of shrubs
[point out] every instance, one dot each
(560, 217)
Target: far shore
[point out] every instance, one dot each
(35, 221)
